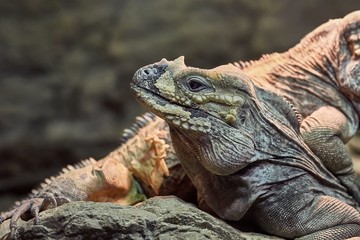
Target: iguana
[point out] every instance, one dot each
(144, 165)
(314, 77)
(237, 132)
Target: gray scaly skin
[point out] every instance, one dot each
(143, 164)
(238, 136)
(321, 77)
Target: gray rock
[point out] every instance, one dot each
(156, 218)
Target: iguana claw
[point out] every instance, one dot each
(48, 200)
(28, 209)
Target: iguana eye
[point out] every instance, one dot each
(196, 84)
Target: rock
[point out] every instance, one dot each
(156, 218)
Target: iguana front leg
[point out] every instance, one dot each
(325, 131)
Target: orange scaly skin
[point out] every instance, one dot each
(139, 163)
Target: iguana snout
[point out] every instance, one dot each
(155, 88)
(150, 73)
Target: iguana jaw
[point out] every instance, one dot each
(178, 116)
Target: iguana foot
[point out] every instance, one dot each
(28, 209)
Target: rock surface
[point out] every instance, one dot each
(156, 218)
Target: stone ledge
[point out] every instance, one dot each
(156, 218)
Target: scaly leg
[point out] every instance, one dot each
(319, 214)
(308, 216)
(325, 131)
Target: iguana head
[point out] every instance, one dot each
(217, 115)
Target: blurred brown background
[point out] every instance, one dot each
(65, 67)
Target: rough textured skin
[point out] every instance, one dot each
(320, 77)
(238, 133)
(143, 166)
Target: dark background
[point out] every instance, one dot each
(65, 67)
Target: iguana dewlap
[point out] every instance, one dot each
(237, 131)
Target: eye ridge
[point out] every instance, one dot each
(196, 84)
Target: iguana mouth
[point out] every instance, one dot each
(179, 115)
(148, 97)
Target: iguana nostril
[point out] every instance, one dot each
(149, 72)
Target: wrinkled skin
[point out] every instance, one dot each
(321, 77)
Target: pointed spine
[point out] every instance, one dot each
(140, 122)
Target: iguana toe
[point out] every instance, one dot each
(26, 210)
(6, 215)
(49, 200)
